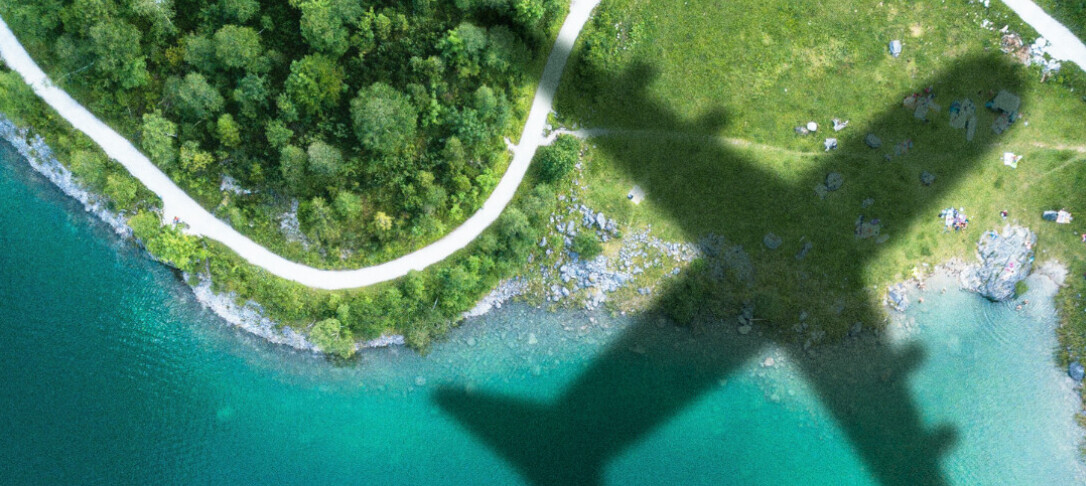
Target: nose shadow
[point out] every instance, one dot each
(652, 372)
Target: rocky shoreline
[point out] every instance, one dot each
(561, 277)
(1004, 260)
(247, 317)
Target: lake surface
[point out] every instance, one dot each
(113, 374)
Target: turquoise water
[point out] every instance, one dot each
(113, 374)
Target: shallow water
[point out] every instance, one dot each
(112, 373)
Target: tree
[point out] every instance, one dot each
(167, 244)
(457, 288)
(199, 51)
(384, 119)
(463, 46)
(432, 195)
(349, 206)
(413, 286)
(159, 139)
(251, 95)
(159, 13)
(454, 154)
(90, 167)
(322, 25)
(238, 47)
(292, 164)
(382, 222)
(228, 131)
(195, 98)
(238, 10)
(529, 12)
(116, 45)
(80, 16)
(484, 101)
(193, 160)
(315, 83)
(325, 160)
(587, 245)
(471, 128)
(322, 223)
(505, 52)
(332, 337)
(121, 189)
(559, 158)
(278, 134)
(516, 231)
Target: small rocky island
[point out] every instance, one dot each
(1005, 259)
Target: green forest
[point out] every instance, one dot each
(383, 120)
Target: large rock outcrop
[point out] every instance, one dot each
(1005, 259)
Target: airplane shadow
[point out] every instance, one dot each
(649, 375)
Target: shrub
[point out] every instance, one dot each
(330, 336)
(1020, 288)
(587, 245)
(558, 159)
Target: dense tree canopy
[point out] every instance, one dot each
(384, 119)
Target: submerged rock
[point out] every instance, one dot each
(897, 298)
(1005, 259)
(1076, 371)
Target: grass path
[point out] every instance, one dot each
(176, 203)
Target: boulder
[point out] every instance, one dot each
(872, 141)
(1005, 259)
(771, 241)
(895, 48)
(856, 329)
(834, 181)
(807, 246)
(927, 178)
(1076, 371)
(897, 298)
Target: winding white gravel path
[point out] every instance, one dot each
(176, 203)
(1065, 47)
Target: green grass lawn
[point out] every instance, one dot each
(708, 93)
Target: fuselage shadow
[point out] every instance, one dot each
(651, 373)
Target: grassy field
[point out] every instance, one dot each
(702, 99)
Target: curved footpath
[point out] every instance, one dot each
(1065, 47)
(176, 203)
